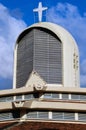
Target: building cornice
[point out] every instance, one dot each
(51, 88)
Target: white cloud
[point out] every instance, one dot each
(68, 16)
(10, 27)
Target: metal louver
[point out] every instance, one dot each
(63, 115)
(6, 99)
(51, 95)
(28, 96)
(82, 116)
(9, 115)
(32, 114)
(38, 114)
(48, 56)
(65, 96)
(57, 115)
(24, 59)
(75, 97)
(39, 50)
(82, 97)
(69, 116)
(43, 115)
(18, 97)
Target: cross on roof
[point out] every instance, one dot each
(40, 9)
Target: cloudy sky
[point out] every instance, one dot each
(16, 15)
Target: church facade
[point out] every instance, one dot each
(46, 92)
(50, 51)
(46, 86)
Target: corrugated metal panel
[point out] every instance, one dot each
(57, 115)
(63, 115)
(28, 96)
(6, 116)
(65, 96)
(82, 97)
(75, 97)
(55, 95)
(82, 116)
(32, 114)
(48, 95)
(38, 114)
(18, 97)
(48, 56)
(6, 99)
(24, 59)
(9, 115)
(43, 115)
(39, 50)
(51, 95)
(69, 116)
(78, 97)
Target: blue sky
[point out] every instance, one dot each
(16, 15)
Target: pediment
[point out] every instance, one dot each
(35, 80)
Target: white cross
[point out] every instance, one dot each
(40, 9)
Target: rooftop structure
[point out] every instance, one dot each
(49, 51)
(46, 92)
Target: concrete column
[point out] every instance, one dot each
(50, 115)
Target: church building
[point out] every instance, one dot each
(46, 92)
